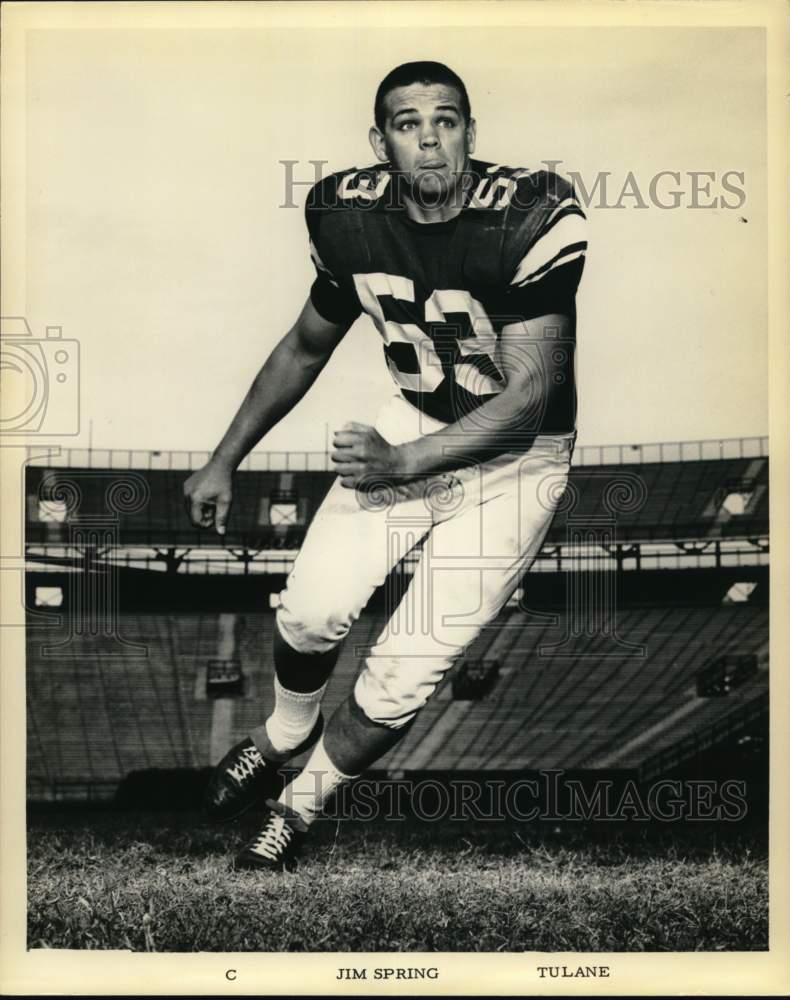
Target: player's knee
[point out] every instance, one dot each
(385, 699)
(313, 627)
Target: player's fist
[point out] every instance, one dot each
(360, 452)
(208, 494)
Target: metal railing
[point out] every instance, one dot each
(552, 558)
(674, 451)
(318, 461)
(710, 736)
(42, 790)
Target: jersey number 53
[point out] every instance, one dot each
(412, 355)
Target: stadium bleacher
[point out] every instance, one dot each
(95, 717)
(673, 500)
(614, 692)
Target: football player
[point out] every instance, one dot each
(468, 271)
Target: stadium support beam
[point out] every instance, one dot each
(695, 546)
(244, 556)
(172, 558)
(623, 551)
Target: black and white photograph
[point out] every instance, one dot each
(390, 394)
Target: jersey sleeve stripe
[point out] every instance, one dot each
(568, 233)
(566, 206)
(565, 257)
(320, 265)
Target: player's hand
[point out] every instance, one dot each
(359, 452)
(208, 494)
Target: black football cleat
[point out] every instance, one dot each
(245, 776)
(278, 846)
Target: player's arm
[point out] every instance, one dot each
(285, 377)
(536, 375)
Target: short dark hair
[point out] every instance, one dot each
(419, 72)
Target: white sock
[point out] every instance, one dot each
(294, 715)
(310, 790)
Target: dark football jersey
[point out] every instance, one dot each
(441, 293)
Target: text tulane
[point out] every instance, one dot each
(574, 972)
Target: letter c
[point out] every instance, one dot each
(230, 974)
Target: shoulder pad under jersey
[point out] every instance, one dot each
(351, 188)
(499, 187)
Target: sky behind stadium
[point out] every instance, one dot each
(156, 233)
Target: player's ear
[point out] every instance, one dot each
(471, 135)
(377, 142)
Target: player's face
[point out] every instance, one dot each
(426, 138)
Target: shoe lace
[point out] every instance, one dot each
(249, 761)
(273, 839)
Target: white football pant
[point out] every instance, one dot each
(483, 527)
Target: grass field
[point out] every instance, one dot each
(160, 881)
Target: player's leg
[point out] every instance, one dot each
(471, 564)
(345, 556)
(300, 680)
(347, 553)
